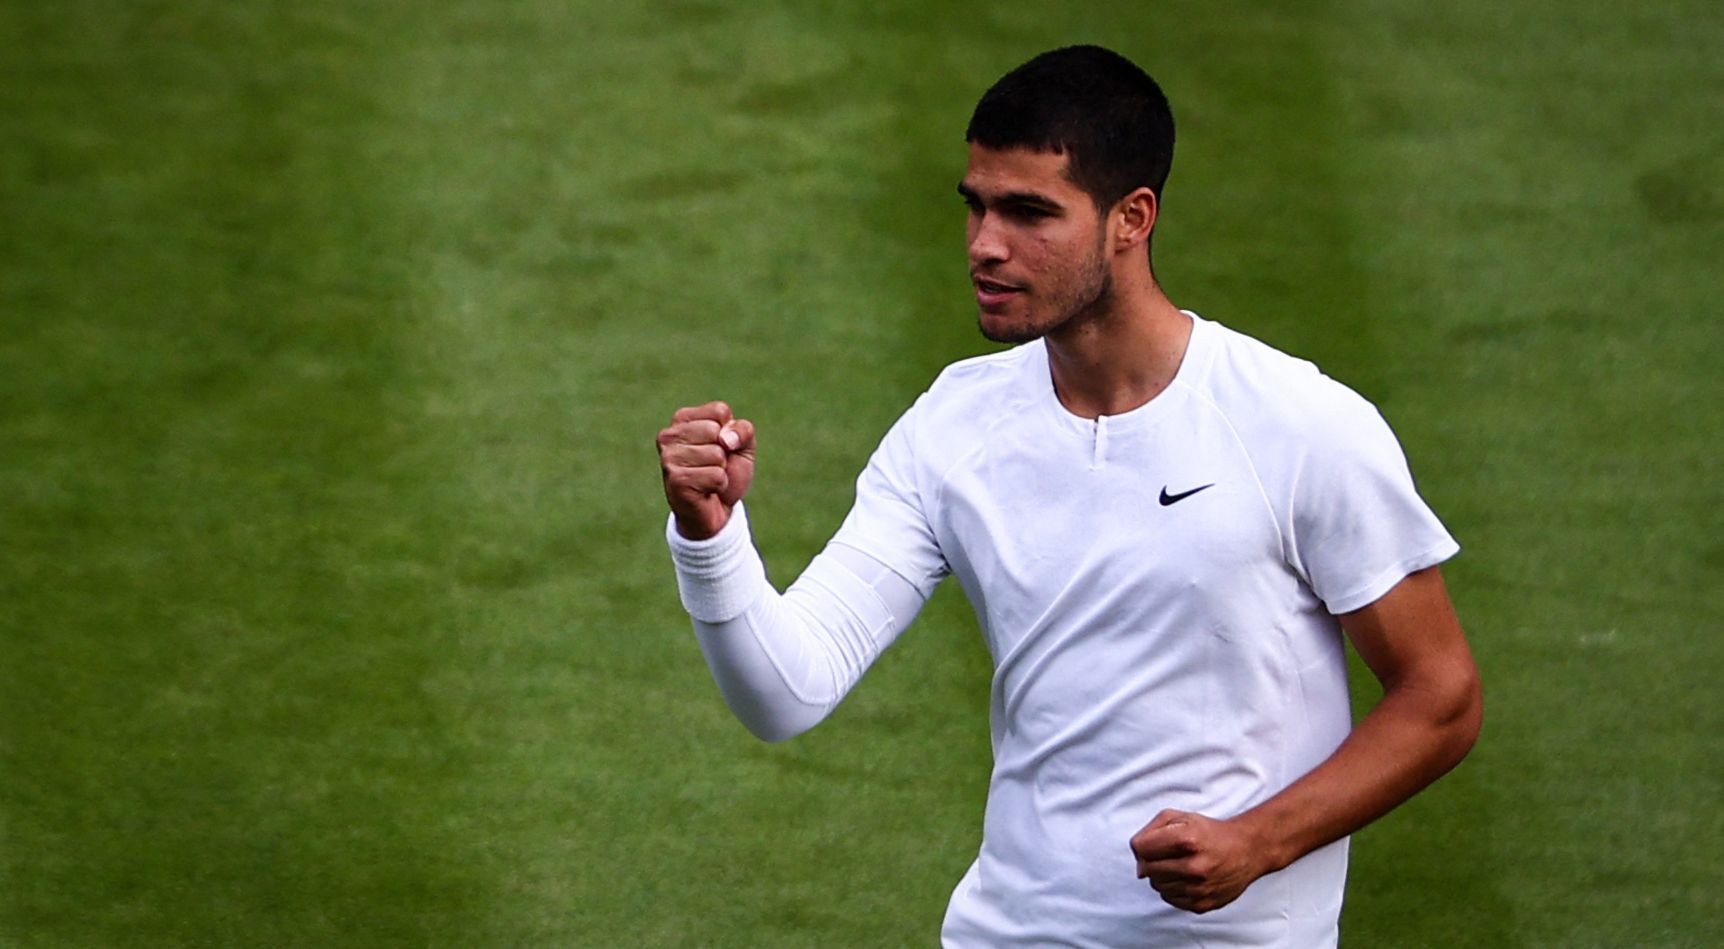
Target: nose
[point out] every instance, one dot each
(986, 241)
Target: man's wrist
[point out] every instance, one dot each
(697, 530)
(698, 551)
(718, 577)
(1263, 831)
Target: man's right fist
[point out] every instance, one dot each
(707, 459)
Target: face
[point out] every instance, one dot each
(1036, 244)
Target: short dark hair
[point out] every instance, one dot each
(1107, 116)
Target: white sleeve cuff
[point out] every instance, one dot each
(720, 577)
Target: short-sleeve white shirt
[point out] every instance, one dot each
(1157, 590)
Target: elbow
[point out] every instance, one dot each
(1466, 718)
(1475, 719)
(1445, 709)
(770, 720)
(775, 732)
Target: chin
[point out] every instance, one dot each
(1004, 329)
(1006, 332)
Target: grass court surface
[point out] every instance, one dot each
(333, 336)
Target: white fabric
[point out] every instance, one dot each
(1147, 655)
(783, 662)
(719, 577)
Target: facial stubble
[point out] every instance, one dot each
(1087, 300)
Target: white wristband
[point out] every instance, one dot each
(720, 577)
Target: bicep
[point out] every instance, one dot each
(1410, 638)
(889, 522)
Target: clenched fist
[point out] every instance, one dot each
(1198, 863)
(707, 459)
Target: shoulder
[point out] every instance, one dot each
(978, 376)
(1332, 472)
(972, 395)
(1276, 402)
(960, 408)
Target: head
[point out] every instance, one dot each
(1068, 156)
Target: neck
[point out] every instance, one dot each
(1121, 356)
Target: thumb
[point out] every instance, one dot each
(1168, 818)
(737, 436)
(1162, 837)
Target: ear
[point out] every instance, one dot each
(1134, 215)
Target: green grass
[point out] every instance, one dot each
(333, 608)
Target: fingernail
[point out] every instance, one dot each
(729, 439)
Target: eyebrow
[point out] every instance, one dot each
(1021, 199)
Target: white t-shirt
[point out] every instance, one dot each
(1157, 591)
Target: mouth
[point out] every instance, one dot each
(992, 294)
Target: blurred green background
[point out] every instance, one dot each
(334, 609)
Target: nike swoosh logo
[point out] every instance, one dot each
(1167, 499)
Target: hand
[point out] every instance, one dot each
(1198, 863)
(707, 459)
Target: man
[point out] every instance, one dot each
(1165, 529)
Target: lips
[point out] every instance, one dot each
(993, 293)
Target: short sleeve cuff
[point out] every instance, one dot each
(1386, 580)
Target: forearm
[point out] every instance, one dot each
(783, 662)
(1413, 736)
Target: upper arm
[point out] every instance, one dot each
(889, 521)
(1356, 525)
(1411, 640)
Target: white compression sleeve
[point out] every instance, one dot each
(783, 662)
